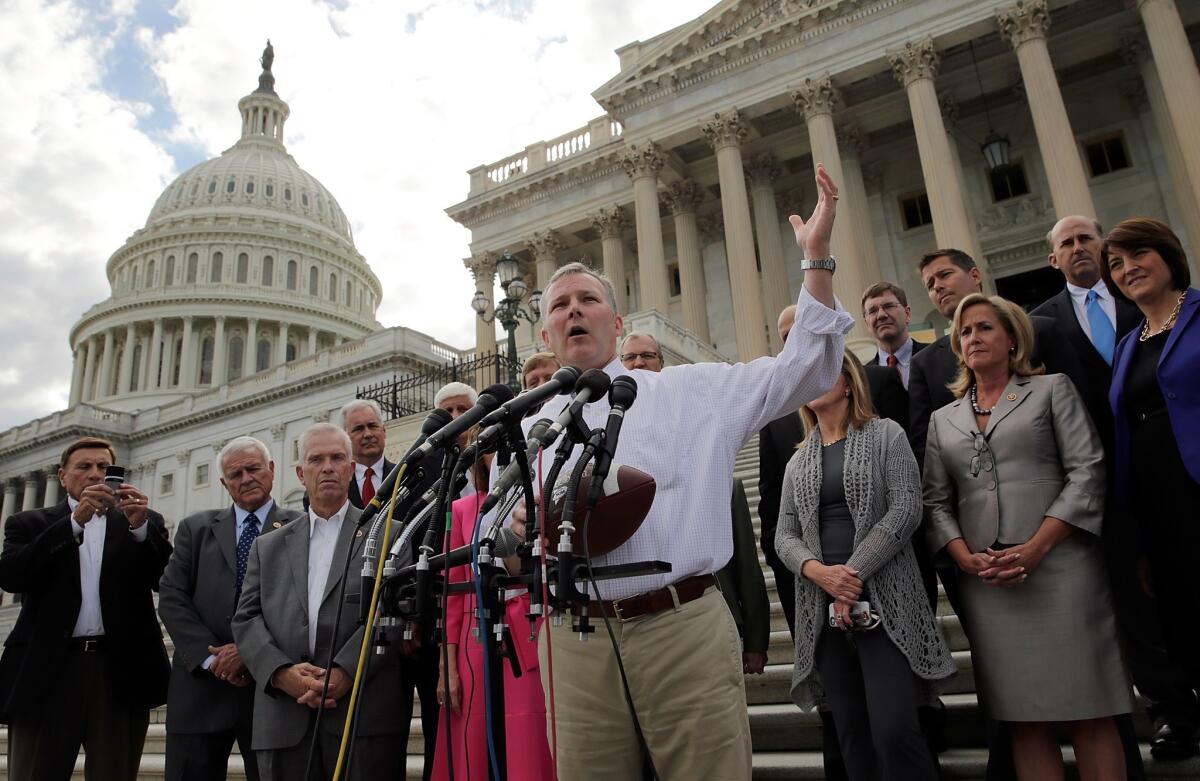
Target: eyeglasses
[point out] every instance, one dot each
(627, 357)
(888, 307)
(983, 455)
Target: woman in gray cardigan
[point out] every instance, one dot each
(850, 503)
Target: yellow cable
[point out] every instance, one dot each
(366, 641)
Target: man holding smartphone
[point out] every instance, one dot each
(85, 662)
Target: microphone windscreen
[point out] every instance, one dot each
(567, 376)
(623, 391)
(596, 381)
(436, 419)
(499, 391)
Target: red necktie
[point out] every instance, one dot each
(368, 491)
(894, 363)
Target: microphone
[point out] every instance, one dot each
(592, 385)
(621, 397)
(489, 439)
(563, 381)
(436, 420)
(490, 399)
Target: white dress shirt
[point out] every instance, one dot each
(377, 474)
(322, 539)
(90, 621)
(1079, 300)
(685, 429)
(903, 359)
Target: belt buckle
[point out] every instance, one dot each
(91, 645)
(617, 610)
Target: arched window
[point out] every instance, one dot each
(206, 361)
(217, 267)
(193, 262)
(236, 352)
(149, 281)
(292, 274)
(346, 301)
(314, 281)
(268, 270)
(135, 367)
(133, 278)
(291, 352)
(262, 359)
(169, 274)
(243, 268)
(230, 186)
(333, 288)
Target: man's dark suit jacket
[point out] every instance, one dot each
(1097, 374)
(40, 561)
(356, 495)
(935, 368)
(891, 398)
(197, 601)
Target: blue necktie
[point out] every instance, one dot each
(249, 532)
(1104, 336)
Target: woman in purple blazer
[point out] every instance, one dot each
(1155, 399)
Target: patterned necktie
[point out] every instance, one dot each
(368, 491)
(249, 532)
(1104, 336)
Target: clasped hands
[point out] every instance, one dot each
(841, 583)
(1001, 568)
(228, 666)
(304, 682)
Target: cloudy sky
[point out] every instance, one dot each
(103, 104)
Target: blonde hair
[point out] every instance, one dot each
(859, 409)
(535, 361)
(1016, 324)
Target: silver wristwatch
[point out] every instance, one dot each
(825, 264)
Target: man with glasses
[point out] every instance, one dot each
(640, 351)
(887, 315)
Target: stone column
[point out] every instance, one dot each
(545, 246)
(187, 356)
(169, 362)
(642, 165)
(915, 66)
(312, 341)
(153, 379)
(683, 198)
(10, 500)
(220, 367)
(1024, 26)
(609, 223)
(483, 269)
(144, 369)
(125, 374)
(857, 209)
(30, 500)
(77, 368)
(89, 371)
(1180, 81)
(107, 364)
(1185, 196)
(250, 354)
(52, 486)
(725, 134)
(281, 345)
(761, 174)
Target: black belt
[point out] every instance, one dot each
(1142, 417)
(89, 645)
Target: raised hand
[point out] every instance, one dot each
(813, 237)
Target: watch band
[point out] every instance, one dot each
(825, 264)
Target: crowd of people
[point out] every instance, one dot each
(1036, 465)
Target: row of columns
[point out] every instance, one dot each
(38, 488)
(96, 368)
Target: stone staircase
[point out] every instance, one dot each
(787, 741)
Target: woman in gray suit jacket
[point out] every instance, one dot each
(849, 505)
(1014, 494)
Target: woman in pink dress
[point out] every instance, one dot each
(524, 703)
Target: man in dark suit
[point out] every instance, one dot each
(210, 703)
(85, 662)
(887, 315)
(1093, 321)
(286, 634)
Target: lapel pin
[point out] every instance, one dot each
(1012, 397)
(358, 533)
(277, 525)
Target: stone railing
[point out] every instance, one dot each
(545, 154)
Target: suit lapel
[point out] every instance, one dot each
(917, 347)
(1015, 392)
(297, 553)
(347, 536)
(962, 417)
(1186, 313)
(224, 529)
(1064, 314)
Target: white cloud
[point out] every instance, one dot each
(388, 120)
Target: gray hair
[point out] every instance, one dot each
(452, 389)
(239, 445)
(641, 335)
(610, 292)
(323, 428)
(358, 404)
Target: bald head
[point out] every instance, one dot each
(787, 319)
(1075, 243)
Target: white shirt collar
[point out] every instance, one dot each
(1080, 293)
(239, 514)
(903, 355)
(335, 519)
(360, 470)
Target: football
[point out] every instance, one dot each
(625, 499)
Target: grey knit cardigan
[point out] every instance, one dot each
(883, 492)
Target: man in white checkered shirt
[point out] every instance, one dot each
(678, 642)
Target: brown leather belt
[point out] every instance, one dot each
(651, 602)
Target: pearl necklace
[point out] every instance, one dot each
(1167, 326)
(975, 403)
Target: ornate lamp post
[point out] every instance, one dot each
(509, 310)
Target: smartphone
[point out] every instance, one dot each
(860, 613)
(114, 477)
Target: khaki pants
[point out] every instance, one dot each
(685, 676)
